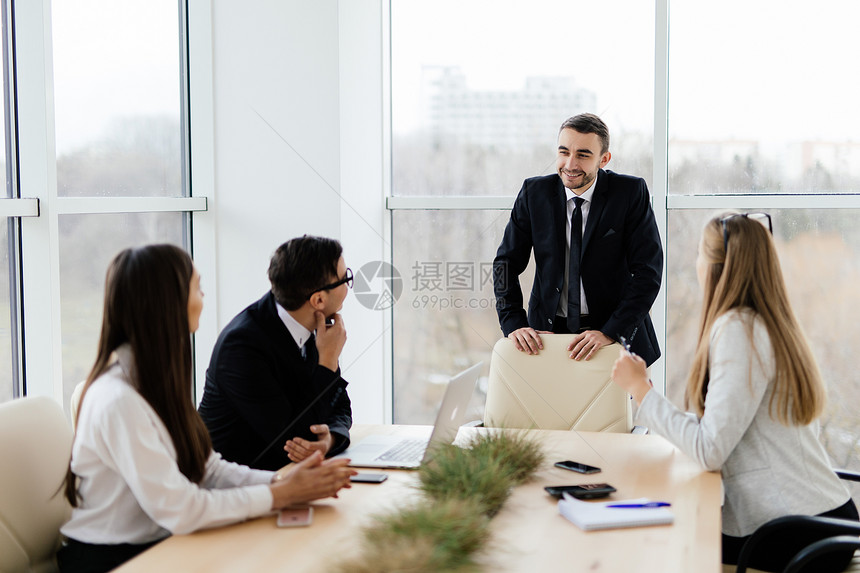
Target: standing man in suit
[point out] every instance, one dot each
(597, 251)
(274, 393)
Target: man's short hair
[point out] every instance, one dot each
(301, 266)
(588, 123)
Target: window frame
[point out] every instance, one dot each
(663, 203)
(36, 210)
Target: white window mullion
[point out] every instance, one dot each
(40, 264)
(660, 183)
(102, 205)
(202, 169)
(19, 207)
(765, 201)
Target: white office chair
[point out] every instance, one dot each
(35, 447)
(549, 391)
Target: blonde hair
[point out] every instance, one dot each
(744, 272)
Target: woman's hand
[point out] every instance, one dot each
(310, 479)
(629, 372)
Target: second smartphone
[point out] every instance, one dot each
(577, 467)
(582, 491)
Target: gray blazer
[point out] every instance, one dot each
(768, 469)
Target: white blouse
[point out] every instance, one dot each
(131, 489)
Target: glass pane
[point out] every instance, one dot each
(820, 257)
(84, 258)
(754, 110)
(479, 112)
(6, 359)
(117, 98)
(445, 320)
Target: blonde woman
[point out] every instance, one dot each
(756, 391)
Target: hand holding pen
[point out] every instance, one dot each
(630, 372)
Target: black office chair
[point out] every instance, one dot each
(839, 535)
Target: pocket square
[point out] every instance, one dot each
(608, 233)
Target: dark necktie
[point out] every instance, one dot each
(573, 309)
(310, 350)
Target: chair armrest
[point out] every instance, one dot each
(825, 525)
(819, 548)
(849, 475)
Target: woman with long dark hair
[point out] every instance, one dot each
(756, 392)
(142, 464)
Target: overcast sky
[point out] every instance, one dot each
(748, 69)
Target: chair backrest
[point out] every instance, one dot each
(35, 447)
(550, 391)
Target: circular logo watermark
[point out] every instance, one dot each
(377, 285)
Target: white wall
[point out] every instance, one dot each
(295, 114)
(364, 117)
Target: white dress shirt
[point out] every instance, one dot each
(299, 333)
(585, 208)
(131, 489)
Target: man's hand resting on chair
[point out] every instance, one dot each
(585, 344)
(527, 339)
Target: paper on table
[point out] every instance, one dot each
(590, 515)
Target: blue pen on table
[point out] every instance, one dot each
(640, 505)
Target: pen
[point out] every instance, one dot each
(624, 343)
(640, 505)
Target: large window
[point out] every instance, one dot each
(103, 155)
(84, 258)
(447, 305)
(746, 117)
(764, 103)
(118, 113)
(768, 122)
(117, 98)
(477, 101)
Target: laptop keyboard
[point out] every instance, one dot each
(406, 451)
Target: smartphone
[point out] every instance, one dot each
(367, 477)
(295, 516)
(584, 491)
(577, 467)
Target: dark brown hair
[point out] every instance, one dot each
(588, 123)
(146, 307)
(301, 266)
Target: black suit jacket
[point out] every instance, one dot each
(258, 385)
(622, 259)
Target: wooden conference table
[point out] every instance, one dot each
(528, 534)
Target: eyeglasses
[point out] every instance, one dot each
(347, 280)
(760, 217)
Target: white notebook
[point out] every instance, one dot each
(589, 515)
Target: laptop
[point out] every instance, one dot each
(398, 452)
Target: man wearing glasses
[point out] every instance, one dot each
(274, 393)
